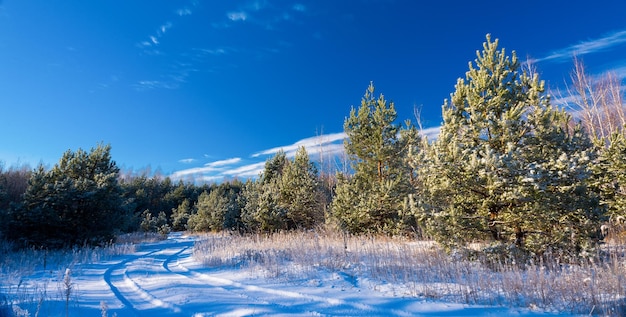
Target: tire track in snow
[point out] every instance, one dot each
(168, 260)
(116, 291)
(134, 287)
(176, 257)
(166, 263)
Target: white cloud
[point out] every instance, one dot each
(217, 170)
(196, 171)
(313, 144)
(209, 179)
(216, 51)
(183, 12)
(237, 16)
(431, 133)
(322, 147)
(155, 84)
(586, 47)
(164, 28)
(249, 170)
(187, 161)
(154, 40)
(230, 161)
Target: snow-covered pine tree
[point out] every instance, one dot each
(371, 199)
(507, 166)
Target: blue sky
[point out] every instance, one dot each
(211, 89)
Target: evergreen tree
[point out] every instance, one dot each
(249, 201)
(201, 220)
(78, 201)
(13, 184)
(507, 166)
(300, 194)
(371, 199)
(217, 210)
(148, 222)
(286, 196)
(262, 211)
(180, 216)
(610, 176)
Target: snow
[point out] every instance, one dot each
(163, 279)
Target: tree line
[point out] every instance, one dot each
(508, 168)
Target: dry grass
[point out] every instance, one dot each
(17, 266)
(421, 269)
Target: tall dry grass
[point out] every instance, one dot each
(421, 269)
(19, 289)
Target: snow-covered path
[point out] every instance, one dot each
(163, 279)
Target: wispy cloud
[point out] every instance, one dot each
(184, 11)
(187, 161)
(177, 74)
(227, 162)
(143, 85)
(320, 148)
(196, 171)
(220, 170)
(313, 145)
(586, 47)
(237, 16)
(164, 28)
(214, 52)
(261, 13)
(246, 171)
(325, 146)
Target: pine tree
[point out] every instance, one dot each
(371, 199)
(300, 194)
(286, 196)
(201, 220)
(218, 209)
(507, 166)
(249, 201)
(78, 201)
(180, 216)
(261, 211)
(610, 176)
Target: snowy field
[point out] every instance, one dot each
(163, 279)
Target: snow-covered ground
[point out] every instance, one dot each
(163, 279)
